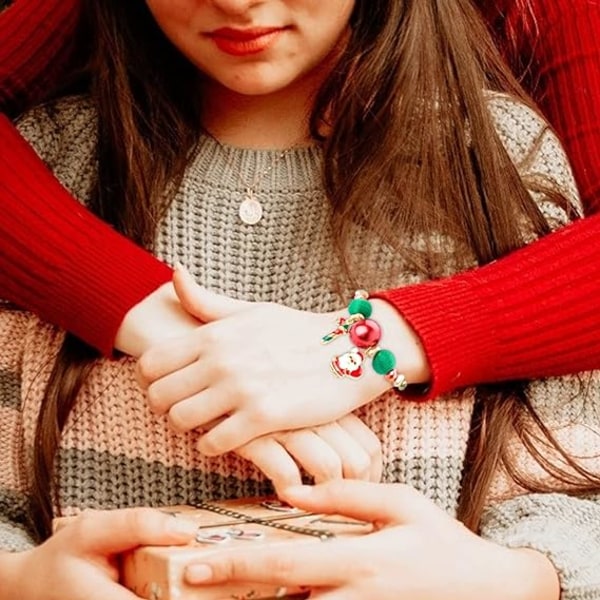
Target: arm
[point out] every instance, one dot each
(526, 315)
(37, 42)
(57, 259)
(566, 58)
(54, 249)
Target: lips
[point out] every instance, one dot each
(241, 42)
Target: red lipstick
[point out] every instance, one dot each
(242, 42)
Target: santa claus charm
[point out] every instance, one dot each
(348, 364)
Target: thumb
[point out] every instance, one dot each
(384, 504)
(201, 303)
(115, 531)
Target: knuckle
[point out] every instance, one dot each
(358, 467)
(209, 446)
(146, 369)
(85, 521)
(329, 468)
(155, 399)
(178, 420)
(283, 565)
(261, 413)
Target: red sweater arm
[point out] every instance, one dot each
(568, 55)
(37, 41)
(59, 260)
(531, 314)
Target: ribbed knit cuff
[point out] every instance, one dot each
(457, 352)
(530, 314)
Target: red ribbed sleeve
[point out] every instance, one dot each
(59, 260)
(567, 57)
(56, 258)
(37, 41)
(534, 313)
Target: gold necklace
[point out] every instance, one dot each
(250, 209)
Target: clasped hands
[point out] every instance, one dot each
(256, 379)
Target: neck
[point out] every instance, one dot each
(275, 121)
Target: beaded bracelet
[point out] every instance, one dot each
(365, 334)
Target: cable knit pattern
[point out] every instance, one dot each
(115, 453)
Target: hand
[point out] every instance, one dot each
(344, 449)
(80, 561)
(261, 366)
(417, 553)
(159, 316)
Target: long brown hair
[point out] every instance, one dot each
(411, 148)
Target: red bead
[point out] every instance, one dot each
(365, 333)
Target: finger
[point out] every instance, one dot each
(355, 461)
(231, 433)
(202, 303)
(368, 441)
(273, 460)
(200, 410)
(167, 357)
(111, 532)
(304, 564)
(317, 457)
(192, 379)
(365, 501)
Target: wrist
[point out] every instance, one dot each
(403, 341)
(157, 317)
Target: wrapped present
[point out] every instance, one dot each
(156, 573)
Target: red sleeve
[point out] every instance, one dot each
(533, 313)
(37, 41)
(59, 260)
(568, 57)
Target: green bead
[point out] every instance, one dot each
(383, 362)
(360, 306)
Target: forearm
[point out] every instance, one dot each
(60, 261)
(37, 41)
(568, 91)
(525, 316)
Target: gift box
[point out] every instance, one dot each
(156, 573)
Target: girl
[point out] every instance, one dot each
(284, 150)
(90, 277)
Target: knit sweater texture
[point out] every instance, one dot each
(114, 452)
(528, 315)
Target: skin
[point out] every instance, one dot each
(80, 562)
(200, 382)
(268, 97)
(417, 552)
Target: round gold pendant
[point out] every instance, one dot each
(250, 211)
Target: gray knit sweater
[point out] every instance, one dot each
(115, 453)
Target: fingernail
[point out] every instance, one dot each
(183, 527)
(198, 573)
